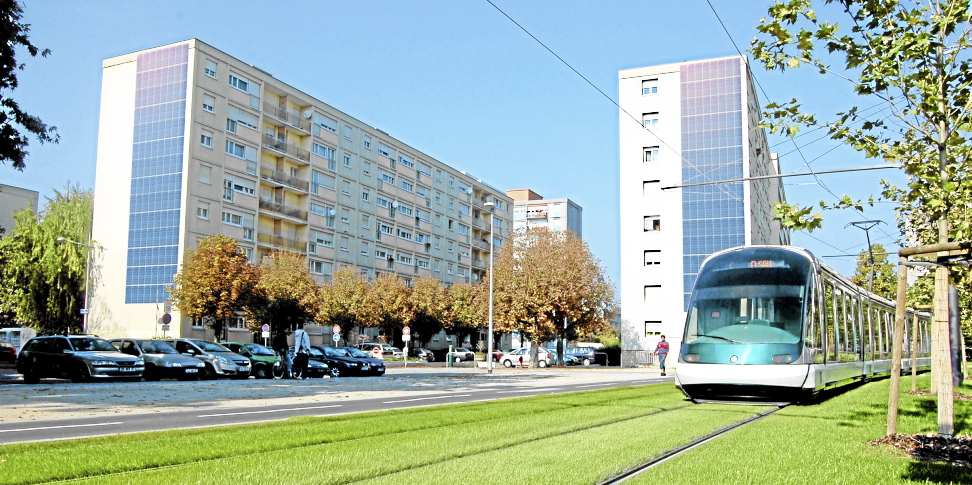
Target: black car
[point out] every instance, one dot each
(76, 357)
(375, 366)
(424, 354)
(340, 362)
(316, 365)
(579, 356)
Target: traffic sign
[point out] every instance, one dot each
(406, 331)
(265, 334)
(336, 329)
(336, 337)
(84, 311)
(406, 337)
(265, 328)
(166, 319)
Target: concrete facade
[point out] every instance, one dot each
(13, 199)
(532, 210)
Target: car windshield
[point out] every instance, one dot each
(92, 344)
(332, 352)
(257, 349)
(210, 347)
(156, 347)
(316, 353)
(357, 353)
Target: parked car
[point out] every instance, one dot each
(545, 357)
(219, 360)
(377, 350)
(316, 364)
(580, 355)
(421, 353)
(264, 363)
(161, 359)
(397, 353)
(8, 353)
(76, 357)
(460, 354)
(375, 366)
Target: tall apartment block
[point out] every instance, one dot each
(532, 210)
(194, 142)
(13, 199)
(695, 123)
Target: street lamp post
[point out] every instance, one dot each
(489, 344)
(87, 267)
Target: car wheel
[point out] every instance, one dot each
(335, 372)
(507, 363)
(586, 362)
(209, 373)
(31, 378)
(81, 375)
(541, 363)
(150, 374)
(278, 369)
(261, 372)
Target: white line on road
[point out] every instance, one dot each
(427, 398)
(528, 390)
(60, 427)
(267, 411)
(594, 385)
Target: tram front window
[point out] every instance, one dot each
(748, 307)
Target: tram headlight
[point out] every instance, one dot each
(691, 357)
(783, 358)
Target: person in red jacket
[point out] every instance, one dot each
(661, 350)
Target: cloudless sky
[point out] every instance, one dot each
(457, 80)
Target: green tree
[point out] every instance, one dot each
(548, 284)
(341, 301)
(388, 305)
(885, 273)
(13, 119)
(214, 282)
(42, 281)
(466, 311)
(431, 301)
(285, 293)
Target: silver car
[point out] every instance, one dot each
(521, 357)
(219, 360)
(161, 359)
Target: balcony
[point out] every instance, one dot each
(536, 214)
(479, 263)
(481, 244)
(289, 149)
(282, 242)
(284, 209)
(479, 224)
(289, 118)
(282, 178)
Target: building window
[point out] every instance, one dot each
(205, 174)
(319, 180)
(650, 325)
(320, 267)
(345, 215)
(344, 243)
(652, 223)
(240, 151)
(365, 221)
(322, 151)
(406, 185)
(206, 139)
(210, 69)
(347, 160)
(202, 211)
(366, 169)
(384, 150)
(347, 132)
(233, 218)
(650, 154)
(209, 103)
(321, 121)
(401, 233)
(652, 257)
(235, 116)
(404, 209)
(649, 186)
(345, 187)
(651, 292)
(364, 248)
(367, 142)
(239, 82)
(649, 86)
(650, 120)
(406, 161)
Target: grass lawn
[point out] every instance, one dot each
(575, 438)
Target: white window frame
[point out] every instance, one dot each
(206, 139)
(209, 103)
(210, 69)
(202, 211)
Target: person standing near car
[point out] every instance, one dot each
(301, 352)
(281, 346)
(661, 350)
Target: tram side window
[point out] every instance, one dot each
(830, 315)
(925, 337)
(853, 329)
(813, 341)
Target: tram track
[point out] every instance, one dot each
(639, 469)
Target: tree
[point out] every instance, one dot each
(214, 282)
(431, 301)
(388, 305)
(885, 273)
(285, 292)
(41, 280)
(341, 301)
(466, 311)
(547, 284)
(13, 119)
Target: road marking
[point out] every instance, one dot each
(595, 385)
(60, 427)
(267, 411)
(427, 398)
(529, 390)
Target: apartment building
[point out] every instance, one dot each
(195, 142)
(532, 210)
(694, 123)
(13, 199)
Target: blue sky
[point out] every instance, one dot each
(455, 79)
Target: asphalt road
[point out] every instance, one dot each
(166, 405)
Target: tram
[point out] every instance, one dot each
(772, 323)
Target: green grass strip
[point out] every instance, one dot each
(825, 443)
(43, 462)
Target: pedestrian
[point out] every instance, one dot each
(301, 352)
(661, 350)
(281, 345)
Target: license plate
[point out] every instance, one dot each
(365, 367)
(191, 371)
(244, 369)
(126, 369)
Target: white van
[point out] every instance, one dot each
(17, 336)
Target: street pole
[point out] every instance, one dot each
(87, 269)
(489, 344)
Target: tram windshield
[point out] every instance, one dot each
(751, 296)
